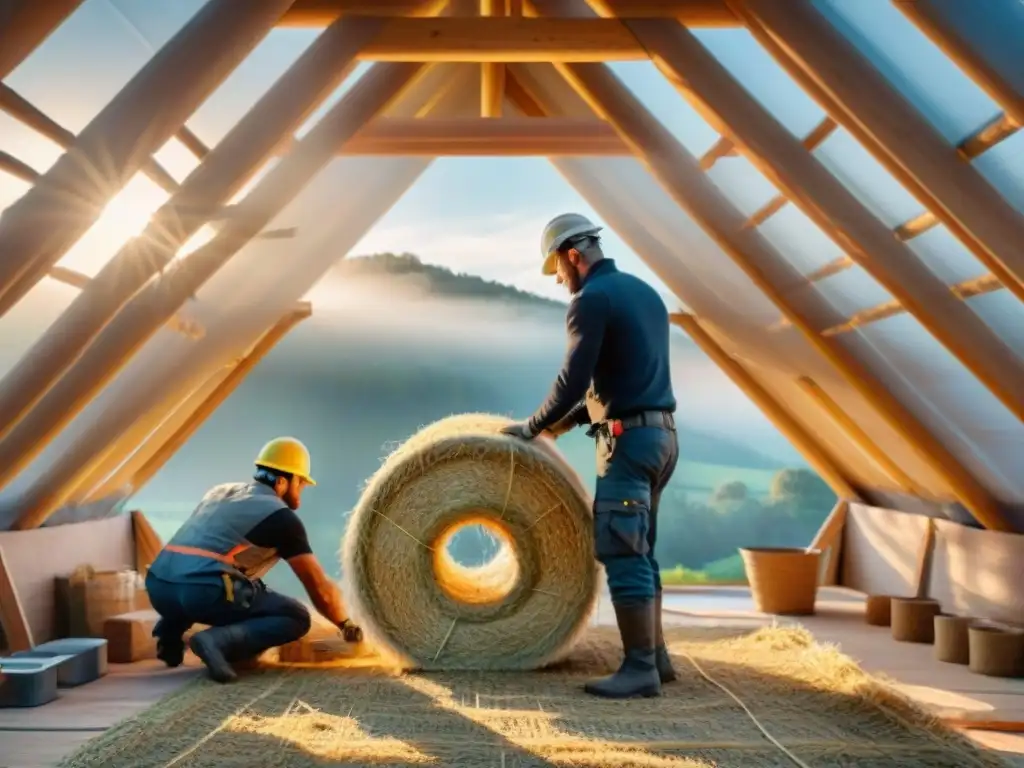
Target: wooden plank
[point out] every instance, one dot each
(924, 561)
(829, 540)
(17, 632)
(147, 542)
(503, 39)
(693, 13)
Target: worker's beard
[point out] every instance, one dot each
(292, 496)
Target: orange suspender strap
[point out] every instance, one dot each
(228, 559)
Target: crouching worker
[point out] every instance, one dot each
(211, 570)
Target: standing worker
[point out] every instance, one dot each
(616, 377)
(211, 570)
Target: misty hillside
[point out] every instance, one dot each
(393, 345)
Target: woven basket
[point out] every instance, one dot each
(783, 581)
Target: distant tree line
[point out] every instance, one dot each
(694, 535)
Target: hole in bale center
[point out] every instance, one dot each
(475, 561)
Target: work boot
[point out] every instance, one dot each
(170, 650)
(666, 671)
(638, 673)
(214, 646)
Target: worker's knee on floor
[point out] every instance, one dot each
(621, 526)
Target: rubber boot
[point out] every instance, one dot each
(215, 645)
(170, 650)
(638, 674)
(666, 671)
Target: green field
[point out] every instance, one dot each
(728, 570)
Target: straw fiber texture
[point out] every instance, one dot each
(424, 610)
(815, 702)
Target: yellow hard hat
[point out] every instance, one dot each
(286, 454)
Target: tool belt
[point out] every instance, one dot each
(615, 427)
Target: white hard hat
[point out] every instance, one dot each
(558, 231)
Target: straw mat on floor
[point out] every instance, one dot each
(813, 702)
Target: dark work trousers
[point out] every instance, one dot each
(632, 471)
(269, 619)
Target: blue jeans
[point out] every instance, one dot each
(268, 619)
(632, 471)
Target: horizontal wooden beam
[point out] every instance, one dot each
(502, 38)
(693, 13)
(479, 136)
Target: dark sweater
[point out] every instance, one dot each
(617, 363)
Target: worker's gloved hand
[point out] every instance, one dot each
(351, 632)
(520, 429)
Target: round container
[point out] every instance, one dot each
(996, 651)
(783, 581)
(878, 610)
(913, 619)
(951, 639)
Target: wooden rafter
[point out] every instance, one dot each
(375, 92)
(22, 110)
(859, 97)
(811, 141)
(682, 178)
(716, 94)
(25, 24)
(815, 454)
(858, 436)
(160, 454)
(934, 21)
(121, 138)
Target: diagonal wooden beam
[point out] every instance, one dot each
(811, 141)
(859, 97)
(144, 314)
(726, 105)
(858, 436)
(996, 27)
(816, 455)
(155, 385)
(18, 107)
(160, 454)
(77, 280)
(40, 227)
(25, 24)
(225, 171)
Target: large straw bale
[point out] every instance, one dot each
(417, 605)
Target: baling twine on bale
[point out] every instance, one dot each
(417, 605)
